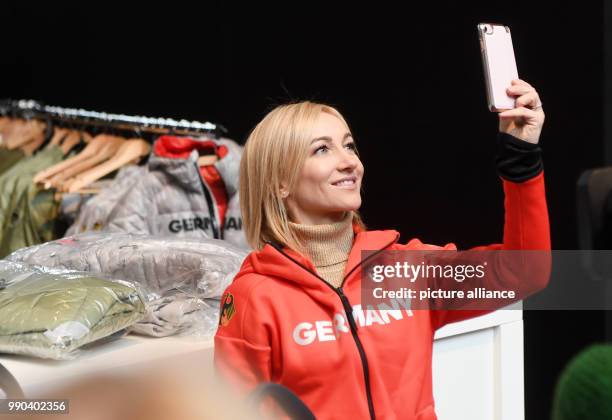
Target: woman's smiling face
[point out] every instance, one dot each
(330, 182)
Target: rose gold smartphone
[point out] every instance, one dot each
(499, 64)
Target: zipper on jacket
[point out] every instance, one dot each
(211, 206)
(348, 309)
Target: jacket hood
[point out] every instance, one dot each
(182, 172)
(289, 265)
(181, 147)
(178, 156)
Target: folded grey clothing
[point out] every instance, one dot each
(176, 275)
(160, 265)
(180, 314)
(50, 313)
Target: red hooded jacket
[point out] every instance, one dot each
(281, 323)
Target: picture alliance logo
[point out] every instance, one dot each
(202, 223)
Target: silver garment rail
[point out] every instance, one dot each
(34, 109)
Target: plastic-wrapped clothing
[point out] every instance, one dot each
(166, 268)
(50, 313)
(180, 314)
(203, 267)
(177, 197)
(93, 214)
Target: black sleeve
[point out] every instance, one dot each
(517, 160)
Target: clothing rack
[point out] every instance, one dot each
(28, 108)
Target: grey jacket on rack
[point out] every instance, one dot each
(93, 214)
(174, 199)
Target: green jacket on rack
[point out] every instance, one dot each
(8, 158)
(27, 212)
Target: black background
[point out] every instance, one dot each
(407, 78)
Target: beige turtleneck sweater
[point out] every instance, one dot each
(327, 246)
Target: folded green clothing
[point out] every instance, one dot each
(50, 315)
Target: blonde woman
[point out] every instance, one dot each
(292, 314)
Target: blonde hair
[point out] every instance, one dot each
(274, 152)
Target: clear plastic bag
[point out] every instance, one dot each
(177, 275)
(182, 315)
(50, 313)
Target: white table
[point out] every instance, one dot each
(477, 365)
(35, 376)
(478, 368)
